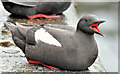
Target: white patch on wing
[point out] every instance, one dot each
(44, 36)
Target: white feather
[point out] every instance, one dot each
(44, 36)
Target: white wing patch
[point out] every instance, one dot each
(44, 36)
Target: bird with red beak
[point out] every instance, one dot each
(89, 24)
(62, 46)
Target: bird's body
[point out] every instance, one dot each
(71, 50)
(67, 56)
(34, 7)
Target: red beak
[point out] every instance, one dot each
(94, 27)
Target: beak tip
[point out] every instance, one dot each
(103, 35)
(103, 21)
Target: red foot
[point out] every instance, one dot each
(36, 62)
(43, 15)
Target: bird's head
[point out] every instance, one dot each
(89, 24)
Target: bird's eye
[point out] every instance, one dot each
(86, 20)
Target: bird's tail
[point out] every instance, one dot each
(22, 29)
(10, 25)
(14, 27)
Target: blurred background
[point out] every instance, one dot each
(108, 45)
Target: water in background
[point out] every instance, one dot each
(108, 45)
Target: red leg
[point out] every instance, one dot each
(43, 15)
(36, 62)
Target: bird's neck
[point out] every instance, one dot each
(84, 34)
(86, 39)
